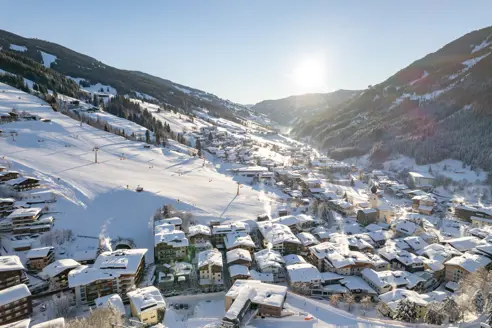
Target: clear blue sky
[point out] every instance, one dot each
(248, 51)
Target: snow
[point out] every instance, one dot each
(238, 254)
(55, 323)
(144, 96)
(18, 324)
(266, 294)
(39, 252)
(291, 259)
(18, 48)
(485, 43)
(464, 244)
(123, 261)
(199, 229)
(57, 267)
(146, 298)
(95, 88)
(238, 270)
(10, 263)
(25, 212)
(187, 91)
(13, 294)
(468, 64)
(93, 196)
(303, 272)
(470, 262)
(209, 257)
(48, 59)
(84, 275)
(424, 75)
(276, 233)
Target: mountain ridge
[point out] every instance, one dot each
(435, 108)
(78, 65)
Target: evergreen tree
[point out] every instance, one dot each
(430, 169)
(406, 311)
(210, 136)
(157, 138)
(147, 136)
(106, 128)
(352, 183)
(451, 308)
(479, 301)
(435, 314)
(199, 147)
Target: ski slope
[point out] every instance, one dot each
(95, 196)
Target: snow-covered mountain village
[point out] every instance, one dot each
(237, 226)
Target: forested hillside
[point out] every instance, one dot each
(302, 107)
(436, 108)
(91, 72)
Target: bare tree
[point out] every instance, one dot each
(335, 299)
(349, 300)
(60, 306)
(101, 318)
(366, 302)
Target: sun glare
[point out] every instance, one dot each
(309, 75)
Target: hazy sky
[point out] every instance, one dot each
(248, 51)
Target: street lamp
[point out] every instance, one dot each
(95, 149)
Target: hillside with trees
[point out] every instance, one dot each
(436, 108)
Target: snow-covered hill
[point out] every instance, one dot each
(101, 197)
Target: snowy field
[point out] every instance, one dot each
(96, 197)
(95, 88)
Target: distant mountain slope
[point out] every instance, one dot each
(90, 71)
(438, 107)
(285, 110)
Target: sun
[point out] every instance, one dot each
(309, 75)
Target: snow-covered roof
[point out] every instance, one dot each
(39, 252)
(321, 232)
(330, 276)
(293, 259)
(390, 252)
(85, 254)
(13, 294)
(122, 261)
(209, 257)
(238, 254)
(199, 229)
(262, 276)
(392, 298)
(25, 212)
(7, 200)
(228, 228)
(84, 275)
(304, 272)
(174, 220)
(147, 298)
(19, 180)
(433, 265)
(421, 175)
(290, 220)
(235, 239)
(307, 239)
(464, 244)
(252, 169)
(266, 294)
(236, 270)
(470, 262)
(379, 235)
(415, 242)
(55, 323)
(243, 296)
(59, 266)
(167, 234)
(392, 278)
(113, 300)
(18, 324)
(10, 263)
(268, 258)
(439, 252)
(356, 283)
(276, 233)
(406, 227)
